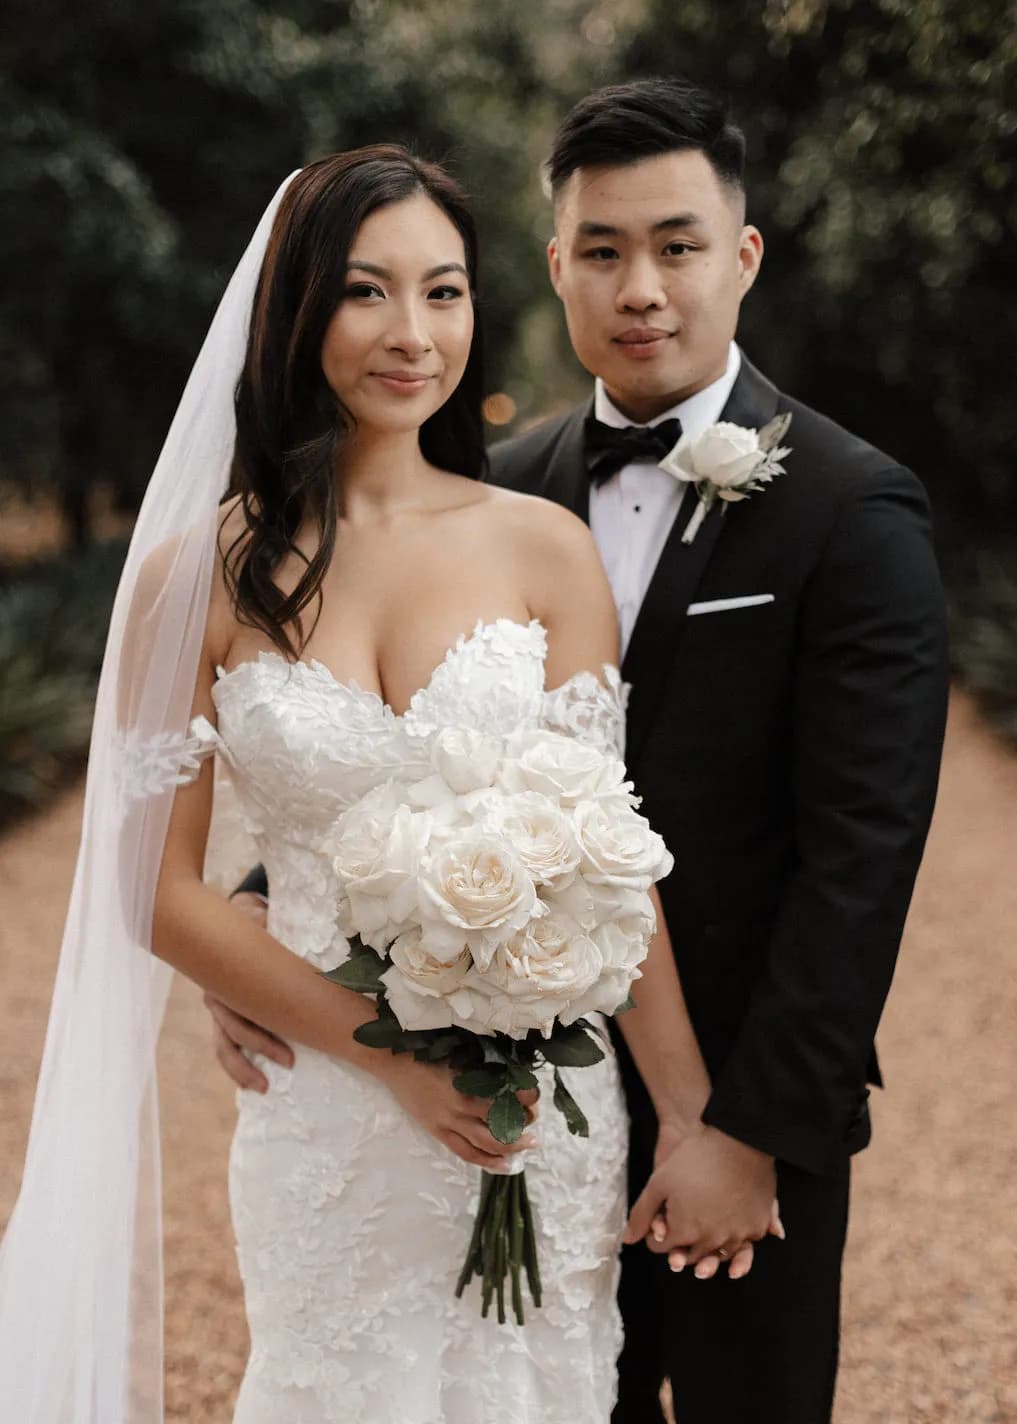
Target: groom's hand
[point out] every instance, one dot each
(713, 1192)
(233, 1036)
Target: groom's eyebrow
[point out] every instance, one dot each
(428, 276)
(598, 229)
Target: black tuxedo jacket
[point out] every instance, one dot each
(788, 752)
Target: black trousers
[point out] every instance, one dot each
(762, 1350)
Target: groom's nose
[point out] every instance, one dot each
(640, 288)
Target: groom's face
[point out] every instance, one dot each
(651, 261)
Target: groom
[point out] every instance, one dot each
(789, 679)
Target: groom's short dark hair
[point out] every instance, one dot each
(623, 123)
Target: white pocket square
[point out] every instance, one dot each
(722, 605)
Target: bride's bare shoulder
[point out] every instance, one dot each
(541, 529)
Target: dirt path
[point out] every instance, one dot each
(931, 1285)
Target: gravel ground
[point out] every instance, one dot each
(931, 1275)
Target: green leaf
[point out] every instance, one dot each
(358, 975)
(571, 1048)
(362, 971)
(441, 1047)
(624, 1007)
(575, 1118)
(507, 1118)
(522, 1077)
(482, 1082)
(493, 1051)
(382, 1033)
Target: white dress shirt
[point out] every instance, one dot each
(632, 512)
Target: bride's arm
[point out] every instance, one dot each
(659, 1034)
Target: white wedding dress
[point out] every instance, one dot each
(351, 1221)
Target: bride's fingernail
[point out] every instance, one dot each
(658, 1230)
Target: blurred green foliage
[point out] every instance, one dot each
(53, 621)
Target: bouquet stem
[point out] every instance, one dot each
(503, 1245)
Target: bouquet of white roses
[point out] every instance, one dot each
(490, 905)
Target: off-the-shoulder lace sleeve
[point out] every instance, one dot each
(150, 765)
(590, 710)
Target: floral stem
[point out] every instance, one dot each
(474, 1257)
(502, 1245)
(516, 1249)
(529, 1242)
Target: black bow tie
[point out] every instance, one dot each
(608, 448)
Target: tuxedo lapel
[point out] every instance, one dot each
(566, 480)
(680, 568)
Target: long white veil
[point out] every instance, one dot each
(81, 1261)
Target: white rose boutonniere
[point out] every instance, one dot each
(727, 462)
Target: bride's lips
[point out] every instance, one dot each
(642, 342)
(404, 383)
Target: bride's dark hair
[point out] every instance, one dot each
(290, 424)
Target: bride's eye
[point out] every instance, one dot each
(363, 289)
(444, 294)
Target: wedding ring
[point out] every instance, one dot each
(722, 1253)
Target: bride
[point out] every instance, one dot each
(361, 587)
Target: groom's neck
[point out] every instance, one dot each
(642, 406)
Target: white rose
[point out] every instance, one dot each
(466, 759)
(475, 891)
(421, 987)
(551, 958)
(560, 767)
(376, 850)
(619, 849)
(621, 952)
(592, 905)
(725, 454)
(539, 834)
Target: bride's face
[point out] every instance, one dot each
(398, 341)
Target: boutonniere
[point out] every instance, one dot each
(727, 462)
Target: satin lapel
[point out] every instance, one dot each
(566, 481)
(661, 622)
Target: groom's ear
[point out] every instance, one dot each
(554, 264)
(750, 257)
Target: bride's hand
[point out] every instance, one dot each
(425, 1091)
(739, 1263)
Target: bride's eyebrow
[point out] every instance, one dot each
(428, 276)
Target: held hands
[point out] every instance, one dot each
(709, 1198)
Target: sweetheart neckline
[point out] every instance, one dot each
(351, 685)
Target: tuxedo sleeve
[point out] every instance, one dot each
(869, 707)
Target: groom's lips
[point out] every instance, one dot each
(642, 342)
